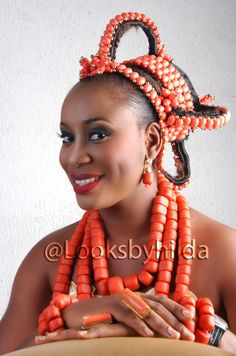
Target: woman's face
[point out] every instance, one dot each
(100, 137)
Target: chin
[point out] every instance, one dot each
(88, 204)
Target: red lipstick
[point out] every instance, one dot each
(80, 189)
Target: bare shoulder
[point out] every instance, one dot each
(50, 248)
(220, 238)
(54, 239)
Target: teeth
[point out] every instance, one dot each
(86, 181)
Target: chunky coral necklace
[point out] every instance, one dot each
(170, 219)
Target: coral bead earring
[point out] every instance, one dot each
(147, 172)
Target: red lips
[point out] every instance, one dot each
(87, 187)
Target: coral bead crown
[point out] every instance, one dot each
(179, 109)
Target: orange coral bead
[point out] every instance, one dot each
(181, 288)
(191, 325)
(207, 309)
(202, 336)
(182, 278)
(61, 287)
(62, 278)
(206, 322)
(145, 277)
(83, 279)
(62, 301)
(84, 296)
(161, 200)
(84, 288)
(103, 287)
(115, 285)
(162, 287)
(99, 262)
(52, 312)
(203, 301)
(171, 214)
(159, 218)
(147, 178)
(164, 276)
(151, 266)
(140, 80)
(161, 209)
(100, 273)
(64, 269)
(132, 282)
(166, 266)
(156, 226)
(43, 327)
(55, 324)
(186, 269)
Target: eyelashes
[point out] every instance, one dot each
(99, 132)
(64, 136)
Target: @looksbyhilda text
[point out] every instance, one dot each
(130, 250)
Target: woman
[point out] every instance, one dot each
(116, 124)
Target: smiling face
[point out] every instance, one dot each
(101, 138)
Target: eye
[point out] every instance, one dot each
(66, 137)
(98, 134)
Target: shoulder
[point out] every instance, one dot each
(205, 227)
(219, 238)
(51, 246)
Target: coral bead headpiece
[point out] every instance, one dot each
(178, 107)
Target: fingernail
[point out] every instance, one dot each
(188, 334)
(173, 333)
(186, 313)
(54, 333)
(40, 338)
(149, 332)
(82, 332)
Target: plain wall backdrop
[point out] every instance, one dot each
(41, 43)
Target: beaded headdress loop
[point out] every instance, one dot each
(178, 107)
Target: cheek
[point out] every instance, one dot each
(126, 158)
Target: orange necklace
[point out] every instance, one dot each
(170, 219)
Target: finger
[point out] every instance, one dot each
(170, 319)
(67, 334)
(110, 330)
(175, 308)
(128, 317)
(160, 326)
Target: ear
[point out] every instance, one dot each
(153, 140)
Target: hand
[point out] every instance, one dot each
(171, 314)
(102, 330)
(165, 319)
(228, 341)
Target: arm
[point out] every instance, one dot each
(30, 294)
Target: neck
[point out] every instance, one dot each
(131, 217)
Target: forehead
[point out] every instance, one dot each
(93, 100)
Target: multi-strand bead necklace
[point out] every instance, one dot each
(170, 219)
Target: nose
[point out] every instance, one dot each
(78, 155)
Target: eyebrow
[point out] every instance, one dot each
(88, 121)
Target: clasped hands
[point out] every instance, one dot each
(165, 320)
